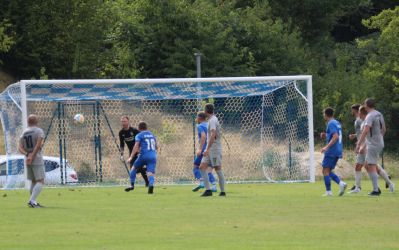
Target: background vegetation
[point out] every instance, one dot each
(349, 46)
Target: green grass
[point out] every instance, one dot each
(263, 216)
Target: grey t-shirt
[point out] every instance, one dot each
(375, 121)
(358, 130)
(213, 123)
(29, 139)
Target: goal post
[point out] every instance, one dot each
(267, 126)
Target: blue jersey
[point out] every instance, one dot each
(202, 127)
(147, 143)
(334, 127)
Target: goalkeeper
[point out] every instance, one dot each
(127, 135)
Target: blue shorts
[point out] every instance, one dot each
(149, 161)
(197, 160)
(329, 162)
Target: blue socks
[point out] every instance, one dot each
(211, 178)
(133, 176)
(151, 180)
(335, 177)
(197, 173)
(327, 182)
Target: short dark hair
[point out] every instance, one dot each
(142, 125)
(329, 112)
(209, 108)
(370, 103)
(201, 115)
(355, 107)
(362, 110)
(125, 117)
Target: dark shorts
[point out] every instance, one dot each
(329, 162)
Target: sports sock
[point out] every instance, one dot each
(151, 180)
(358, 178)
(211, 178)
(32, 185)
(374, 180)
(384, 175)
(327, 182)
(221, 180)
(334, 177)
(133, 176)
(145, 177)
(36, 191)
(197, 173)
(205, 178)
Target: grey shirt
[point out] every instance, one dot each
(375, 121)
(358, 130)
(29, 140)
(213, 123)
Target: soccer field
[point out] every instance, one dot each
(256, 216)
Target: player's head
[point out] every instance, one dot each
(209, 108)
(362, 112)
(328, 113)
(369, 104)
(125, 122)
(32, 120)
(201, 117)
(355, 109)
(142, 126)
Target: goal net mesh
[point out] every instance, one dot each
(264, 124)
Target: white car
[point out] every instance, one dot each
(52, 168)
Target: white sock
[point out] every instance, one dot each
(32, 185)
(384, 175)
(35, 192)
(358, 178)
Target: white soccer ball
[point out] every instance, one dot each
(79, 119)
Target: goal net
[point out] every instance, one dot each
(266, 124)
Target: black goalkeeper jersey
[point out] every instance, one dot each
(128, 137)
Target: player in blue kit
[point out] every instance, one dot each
(146, 145)
(332, 152)
(202, 130)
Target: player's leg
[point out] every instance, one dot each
(212, 180)
(142, 171)
(216, 162)
(358, 178)
(335, 178)
(197, 173)
(203, 168)
(138, 163)
(151, 165)
(372, 160)
(381, 172)
(38, 178)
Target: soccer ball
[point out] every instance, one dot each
(79, 119)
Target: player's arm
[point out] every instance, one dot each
(352, 137)
(201, 143)
(333, 140)
(36, 149)
(136, 149)
(211, 141)
(121, 143)
(22, 150)
(365, 131)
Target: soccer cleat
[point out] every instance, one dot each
(147, 184)
(206, 193)
(223, 194)
(387, 184)
(128, 189)
(342, 188)
(391, 187)
(198, 188)
(354, 191)
(353, 188)
(151, 189)
(34, 205)
(214, 188)
(328, 193)
(374, 193)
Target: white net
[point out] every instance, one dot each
(264, 123)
